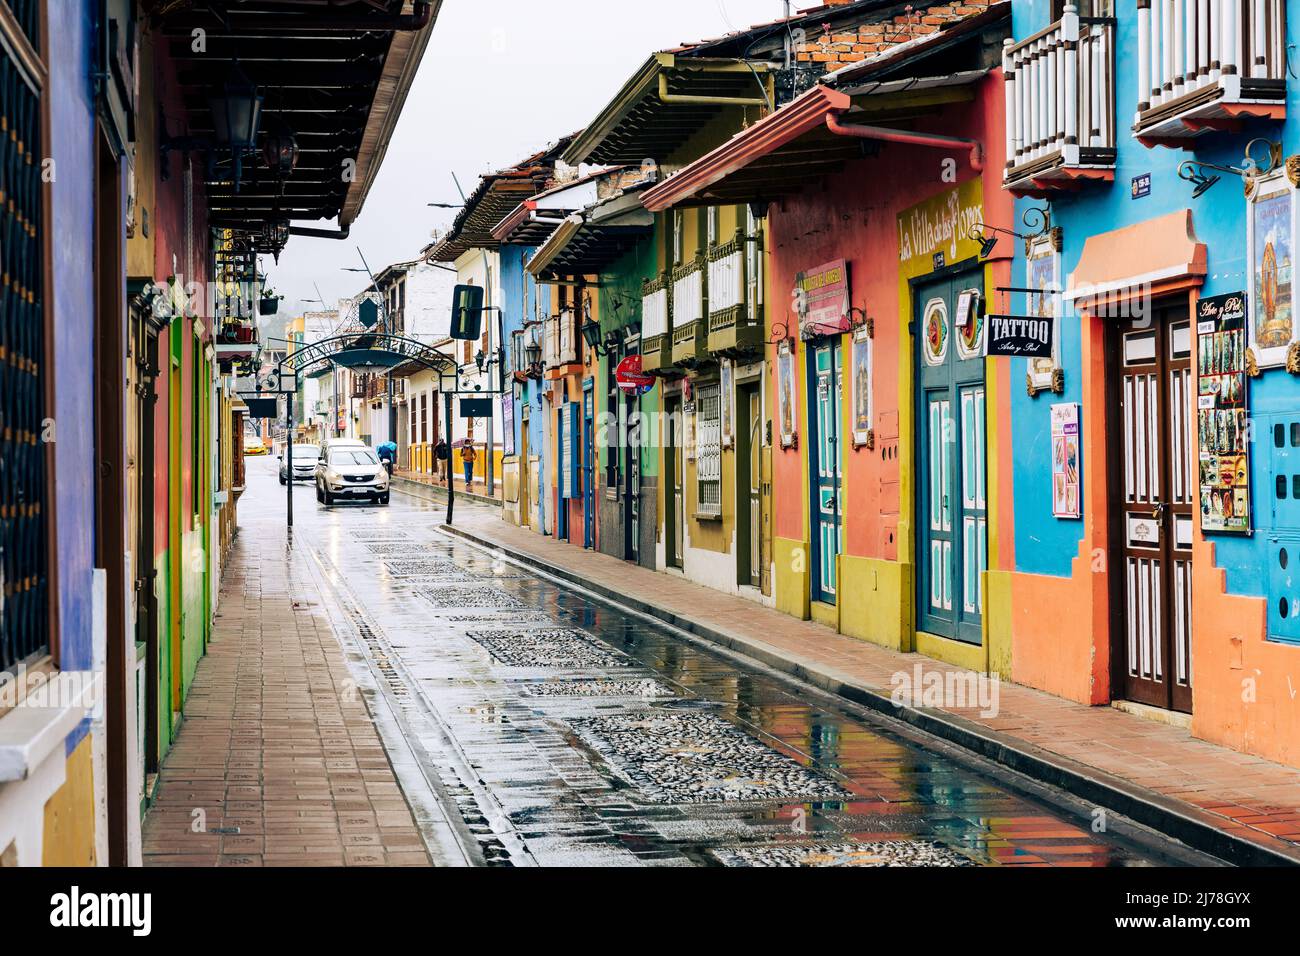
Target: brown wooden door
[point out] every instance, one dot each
(1154, 531)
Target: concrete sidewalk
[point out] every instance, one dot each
(278, 762)
(1241, 808)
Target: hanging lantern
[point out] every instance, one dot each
(236, 114)
(280, 150)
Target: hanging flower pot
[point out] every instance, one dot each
(268, 305)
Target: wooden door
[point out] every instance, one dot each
(1154, 537)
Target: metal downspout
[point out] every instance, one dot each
(888, 135)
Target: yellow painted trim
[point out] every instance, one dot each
(958, 653)
(827, 614)
(69, 828)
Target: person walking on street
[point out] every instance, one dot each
(467, 457)
(388, 455)
(442, 459)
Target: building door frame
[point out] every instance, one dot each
(110, 485)
(588, 464)
(950, 501)
(824, 362)
(1154, 501)
(749, 482)
(674, 517)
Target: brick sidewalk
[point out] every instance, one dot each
(477, 490)
(1151, 768)
(274, 741)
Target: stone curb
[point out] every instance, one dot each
(1190, 825)
(418, 489)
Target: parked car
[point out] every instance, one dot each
(304, 463)
(350, 471)
(253, 445)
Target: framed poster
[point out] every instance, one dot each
(1043, 274)
(968, 331)
(860, 382)
(785, 393)
(725, 408)
(1270, 243)
(508, 422)
(1221, 416)
(1067, 500)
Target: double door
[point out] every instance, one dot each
(1154, 403)
(824, 373)
(951, 494)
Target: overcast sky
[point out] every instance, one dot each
(499, 80)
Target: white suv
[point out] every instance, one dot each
(350, 471)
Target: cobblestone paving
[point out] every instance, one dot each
(885, 853)
(698, 758)
(562, 649)
(643, 688)
(532, 700)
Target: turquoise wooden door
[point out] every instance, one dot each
(951, 504)
(824, 466)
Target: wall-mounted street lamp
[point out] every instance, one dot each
(1033, 216)
(591, 335)
(236, 115)
(1194, 171)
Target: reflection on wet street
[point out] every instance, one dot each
(559, 731)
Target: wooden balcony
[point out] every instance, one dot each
(1060, 94)
(1208, 65)
(735, 319)
(656, 334)
(689, 305)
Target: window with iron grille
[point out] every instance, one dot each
(708, 449)
(24, 497)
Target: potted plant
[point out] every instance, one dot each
(269, 304)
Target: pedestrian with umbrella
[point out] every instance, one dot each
(388, 455)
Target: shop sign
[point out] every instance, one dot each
(1024, 335)
(821, 298)
(937, 232)
(1221, 416)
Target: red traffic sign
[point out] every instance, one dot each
(629, 377)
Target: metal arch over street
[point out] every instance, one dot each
(368, 352)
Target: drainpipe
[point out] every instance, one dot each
(666, 97)
(889, 135)
(320, 233)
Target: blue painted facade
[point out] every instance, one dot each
(525, 301)
(1047, 545)
(72, 146)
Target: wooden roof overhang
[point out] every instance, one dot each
(526, 225)
(666, 102)
(793, 147)
(778, 155)
(335, 75)
(495, 198)
(586, 245)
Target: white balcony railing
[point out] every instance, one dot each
(559, 347)
(1206, 60)
(727, 280)
(688, 297)
(654, 313)
(1060, 95)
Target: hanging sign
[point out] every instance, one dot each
(1221, 413)
(630, 379)
(1024, 335)
(1066, 499)
(821, 297)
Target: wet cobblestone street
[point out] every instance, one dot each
(554, 730)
